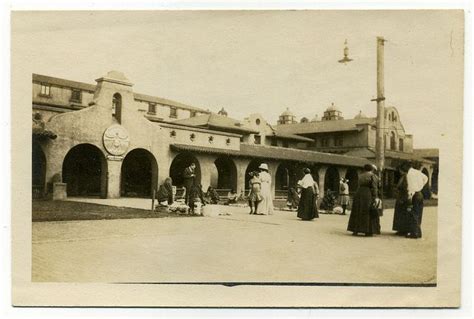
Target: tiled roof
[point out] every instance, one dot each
(426, 152)
(163, 101)
(324, 126)
(63, 82)
(293, 137)
(368, 153)
(91, 87)
(216, 121)
(280, 153)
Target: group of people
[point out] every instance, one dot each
(260, 194)
(366, 206)
(192, 191)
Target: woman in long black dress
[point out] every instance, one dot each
(307, 205)
(401, 220)
(362, 220)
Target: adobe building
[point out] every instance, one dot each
(107, 140)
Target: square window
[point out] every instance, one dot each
(286, 144)
(76, 95)
(274, 141)
(258, 139)
(151, 108)
(45, 89)
(193, 113)
(173, 112)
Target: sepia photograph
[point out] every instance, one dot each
(268, 149)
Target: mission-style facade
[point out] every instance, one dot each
(107, 140)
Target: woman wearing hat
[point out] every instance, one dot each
(265, 207)
(363, 219)
(307, 206)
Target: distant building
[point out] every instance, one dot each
(107, 140)
(356, 137)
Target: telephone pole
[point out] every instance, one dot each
(379, 138)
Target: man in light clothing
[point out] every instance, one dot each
(416, 180)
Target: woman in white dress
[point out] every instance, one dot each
(265, 207)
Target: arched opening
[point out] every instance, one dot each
(139, 174)
(393, 141)
(85, 171)
(179, 164)
(38, 171)
(426, 189)
(226, 174)
(282, 177)
(353, 176)
(117, 107)
(331, 180)
(287, 175)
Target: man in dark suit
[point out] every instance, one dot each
(189, 176)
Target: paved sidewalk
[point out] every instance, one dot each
(238, 247)
(139, 203)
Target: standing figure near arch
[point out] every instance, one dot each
(255, 189)
(307, 208)
(265, 207)
(189, 176)
(361, 219)
(344, 194)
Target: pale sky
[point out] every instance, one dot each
(262, 61)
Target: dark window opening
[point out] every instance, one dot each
(76, 96)
(274, 141)
(258, 139)
(173, 112)
(117, 107)
(152, 108)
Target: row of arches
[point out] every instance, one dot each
(85, 172)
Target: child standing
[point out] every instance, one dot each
(254, 194)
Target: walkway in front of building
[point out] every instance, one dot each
(132, 202)
(237, 247)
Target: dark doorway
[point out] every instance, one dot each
(331, 180)
(84, 171)
(139, 174)
(226, 173)
(38, 171)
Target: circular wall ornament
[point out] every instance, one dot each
(116, 140)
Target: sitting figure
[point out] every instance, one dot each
(212, 195)
(293, 198)
(165, 193)
(329, 201)
(232, 197)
